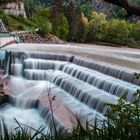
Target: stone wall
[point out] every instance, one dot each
(33, 37)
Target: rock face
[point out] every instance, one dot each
(102, 6)
(3, 96)
(14, 8)
(1, 93)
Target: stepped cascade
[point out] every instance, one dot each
(84, 86)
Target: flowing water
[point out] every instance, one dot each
(85, 87)
(28, 118)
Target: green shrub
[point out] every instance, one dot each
(78, 26)
(31, 7)
(60, 26)
(20, 27)
(131, 42)
(1, 11)
(14, 22)
(137, 44)
(97, 27)
(81, 29)
(42, 22)
(124, 119)
(79, 32)
(44, 12)
(44, 28)
(136, 31)
(64, 28)
(118, 32)
(10, 23)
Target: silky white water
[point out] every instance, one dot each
(27, 92)
(27, 118)
(23, 93)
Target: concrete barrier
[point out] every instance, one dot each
(6, 38)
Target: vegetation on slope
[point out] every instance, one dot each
(75, 21)
(14, 22)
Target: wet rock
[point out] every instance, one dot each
(1, 99)
(4, 98)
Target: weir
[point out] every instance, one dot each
(84, 86)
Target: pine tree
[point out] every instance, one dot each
(57, 7)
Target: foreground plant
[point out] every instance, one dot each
(124, 119)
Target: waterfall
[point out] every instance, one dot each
(106, 83)
(27, 95)
(26, 98)
(104, 77)
(28, 119)
(80, 90)
(49, 56)
(109, 78)
(7, 65)
(124, 74)
(43, 64)
(23, 103)
(85, 87)
(47, 115)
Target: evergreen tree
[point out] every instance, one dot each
(60, 25)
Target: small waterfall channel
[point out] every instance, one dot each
(83, 87)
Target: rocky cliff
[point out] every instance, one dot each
(107, 8)
(16, 8)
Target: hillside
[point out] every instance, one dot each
(76, 21)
